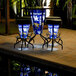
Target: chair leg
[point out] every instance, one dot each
(32, 38)
(29, 42)
(32, 45)
(33, 41)
(60, 43)
(46, 43)
(52, 45)
(43, 44)
(16, 43)
(45, 40)
(25, 44)
(22, 45)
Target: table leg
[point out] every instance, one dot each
(52, 38)
(45, 40)
(16, 43)
(30, 41)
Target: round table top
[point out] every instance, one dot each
(54, 20)
(37, 8)
(53, 17)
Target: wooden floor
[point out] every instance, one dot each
(67, 56)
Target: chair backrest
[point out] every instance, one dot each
(23, 25)
(23, 30)
(50, 29)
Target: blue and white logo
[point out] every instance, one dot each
(37, 20)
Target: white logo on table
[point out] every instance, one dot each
(35, 18)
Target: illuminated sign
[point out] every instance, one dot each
(50, 29)
(23, 32)
(37, 18)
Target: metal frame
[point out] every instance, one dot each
(58, 40)
(19, 39)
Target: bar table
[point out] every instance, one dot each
(38, 16)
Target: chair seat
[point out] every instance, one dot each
(23, 20)
(53, 20)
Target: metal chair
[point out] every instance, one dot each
(53, 35)
(24, 35)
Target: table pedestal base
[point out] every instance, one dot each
(44, 39)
